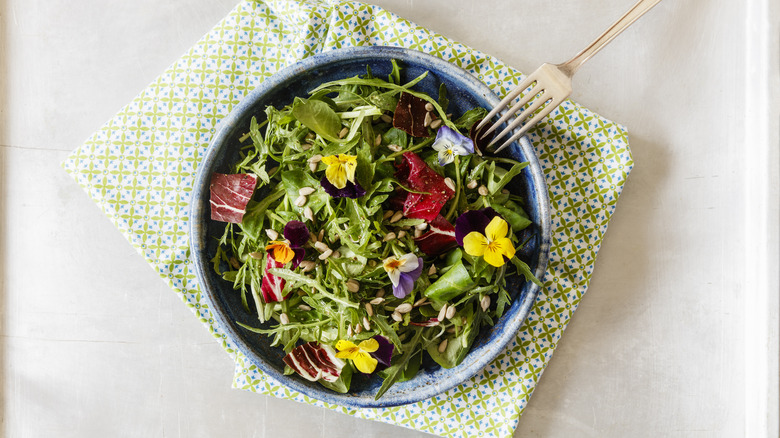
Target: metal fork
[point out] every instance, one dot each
(550, 84)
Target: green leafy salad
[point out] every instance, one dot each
(367, 230)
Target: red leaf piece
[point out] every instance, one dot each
(439, 238)
(230, 195)
(314, 361)
(409, 115)
(272, 286)
(416, 175)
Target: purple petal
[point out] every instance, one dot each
(454, 137)
(297, 233)
(384, 353)
(472, 220)
(406, 282)
(300, 253)
(351, 190)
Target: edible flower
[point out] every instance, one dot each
(350, 190)
(449, 143)
(341, 168)
(493, 246)
(473, 220)
(359, 354)
(403, 272)
(291, 249)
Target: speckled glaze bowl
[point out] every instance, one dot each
(465, 92)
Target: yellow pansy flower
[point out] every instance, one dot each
(341, 168)
(359, 354)
(493, 245)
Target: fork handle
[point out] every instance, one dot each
(636, 11)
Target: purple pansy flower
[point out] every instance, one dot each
(350, 190)
(403, 272)
(449, 143)
(473, 220)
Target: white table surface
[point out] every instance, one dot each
(676, 335)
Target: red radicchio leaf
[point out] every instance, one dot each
(314, 361)
(429, 323)
(272, 285)
(230, 195)
(410, 114)
(415, 174)
(439, 238)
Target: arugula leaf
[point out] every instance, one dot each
(319, 117)
(453, 283)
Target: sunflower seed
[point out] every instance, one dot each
(442, 346)
(427, 121)
(321, 234)
(429, 106)
(343, 133)
(325, 254)
(483, 191)
(304, 307)
(336, 254)
(369, 309)
(308, 213)
(358, 328)
(404, 308)
(401, 234)
(388, 214)
(272, 234)
(388, 237)
(418, 233)
(442, 313)
(386, 118)
(377, 301)
(234, 263)
(397, 217)
(472, 184)
(397, 317)
(394, 147)
(306, 191)
(432, 270)
(256, 255)
(307, 265)
(450, 312)
(349, 331)
(313, 166)
(485, 302)
(300, 201)
(310, 136)
(306, 146)
(449, 183)
(272, 170)
(421, 226)
(366, 323)
(353, 285)
(420, 302)
(284, 319)
(436, 124)
(315, 158)
(380, 293)
(321, 247)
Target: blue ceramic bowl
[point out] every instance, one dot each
(465, 92)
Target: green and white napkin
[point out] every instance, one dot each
(139, 168)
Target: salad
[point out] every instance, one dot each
(368, 231)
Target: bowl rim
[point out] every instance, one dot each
(201, 186)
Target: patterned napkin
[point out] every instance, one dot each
(140, 165)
